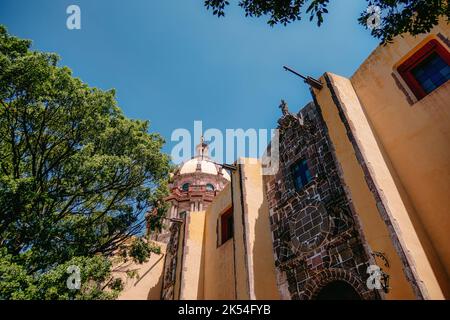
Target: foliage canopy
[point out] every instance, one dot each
(397, 16)
(76, 177)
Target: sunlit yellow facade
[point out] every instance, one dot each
(391, 151)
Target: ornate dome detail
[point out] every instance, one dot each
(194, 185)
(201, 162)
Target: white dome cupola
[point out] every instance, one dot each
(201, 162)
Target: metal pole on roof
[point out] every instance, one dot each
(309, 80)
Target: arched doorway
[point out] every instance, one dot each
(337, 290)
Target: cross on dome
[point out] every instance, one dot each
(202, 150)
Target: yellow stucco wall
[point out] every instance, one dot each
(219, 274)
(239, 242)
(416, 142)
(261, 264)
(243, 267)
(147, 286)
(374, 228)
(192, 262)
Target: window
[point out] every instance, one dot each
(427, 69)
(209, 187)
(431, 73)
(226, 226)
(301, 174)
(185, 187)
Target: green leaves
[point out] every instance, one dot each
(398, 17)
(76, 175)
(140, 250)
(17, 284)
(218, 6)
(406, 16)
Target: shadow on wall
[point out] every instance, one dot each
(155, 292)
(149, 282)
(265, 287)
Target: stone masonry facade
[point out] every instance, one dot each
(316, 237)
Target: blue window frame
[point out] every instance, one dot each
(432, 72)
(301, 174)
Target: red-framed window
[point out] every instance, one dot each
(226, 226)
(427, 69)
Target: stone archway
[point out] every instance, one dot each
(336, 284)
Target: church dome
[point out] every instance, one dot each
(202, 163)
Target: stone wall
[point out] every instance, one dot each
(316, 238)
(171, 271)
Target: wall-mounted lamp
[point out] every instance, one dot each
(228, 167)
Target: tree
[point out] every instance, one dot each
(76, 176)
(397, 16)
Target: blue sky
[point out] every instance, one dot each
(173, 62)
